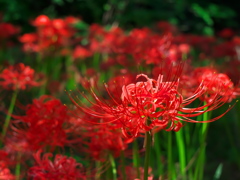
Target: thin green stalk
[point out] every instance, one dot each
(114, 170)
(181, 151)
(136, 158)
(203, 150)
(18, 166)
(158, 153)
(148, 140)
(96, 59)
(44, 86)
(98, 164)
(201, 159)
(188, 150)
(123, 165)
(169, 159)
(8, 117)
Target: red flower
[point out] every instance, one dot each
(81, 52)
(52, 35)
(43, 125)
(18, 77)
(104, 140)
(215, 83)
(5, 173)
(226, 33)
(28, 38)
(41, 20)
(72, 20)
(7, 30)
(61, 168)
(131, 173)
(149, 105)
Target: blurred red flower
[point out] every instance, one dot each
(44, 124)
(41, 20)
(131, 173)
(5, 173)
(7, 30)
(215, 83)
(18, 77)
(61, 168)
(81, 52)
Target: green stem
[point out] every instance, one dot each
(201, 159)
(170, 155)
(18, 166)
(114, 170)
(8, 117)
(136, 158)
(148, 139)
(158, 153)
(123, 165)
(181, 151)
(97, 176)
(96, 59)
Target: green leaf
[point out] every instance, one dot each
(201, 12)
(218, 172)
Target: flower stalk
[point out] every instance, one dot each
(8, 117)
(113, 164)
(147, 146)
(136, 158)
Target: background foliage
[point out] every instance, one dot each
(202, 17)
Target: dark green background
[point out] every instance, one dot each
(199, 16)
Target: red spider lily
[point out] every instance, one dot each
(5, 173)
(149, 105)
(4, 162)
(232, 69)
(7, 30)
(140, 45)
(81, 52)
(43, 125)
(105, 140)
(166, 27)
(226, 33)
(224, 49)
(52, 35)
(72, 20)
(41, 20)
(184, 48)
(61, 168)
(215, 83)
(98, 140)
(131, 173)
(18, 77)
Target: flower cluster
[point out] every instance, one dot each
(216, 83)
(61, 167)
(18, 77)
(7, 31)
(52, 34)
(43, 125)
(4, 163)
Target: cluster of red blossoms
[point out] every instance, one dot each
(18, 77)
(62, 167)
(4, 163)
(7, 31)
(139, 45)
(151, 104)
(217, 83)
(136, 104)
(51, 35)
(43, 126)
